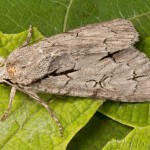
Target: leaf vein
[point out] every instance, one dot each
(66, 15)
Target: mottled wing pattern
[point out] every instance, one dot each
(97, 60)
(122, 76)
(36, 61)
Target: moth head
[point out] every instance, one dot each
(25, 65)
(13, 71)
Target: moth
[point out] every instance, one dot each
(97, 60)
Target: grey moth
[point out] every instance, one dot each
(97, 60)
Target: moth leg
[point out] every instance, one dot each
(11, 98)
(43, 103)
(28, 36)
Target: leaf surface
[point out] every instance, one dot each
(52, 17)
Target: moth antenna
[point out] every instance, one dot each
(40, 101)
(35, 97)
(28, 36)
(11, 98)
(13, 90)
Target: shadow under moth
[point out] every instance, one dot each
(97, 60)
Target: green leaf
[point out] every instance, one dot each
(97, 133)
(132, 114)
(138, 139)
(52, 17)
(29, 126)
(8, 42)
(144, 46)
(101, 10)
